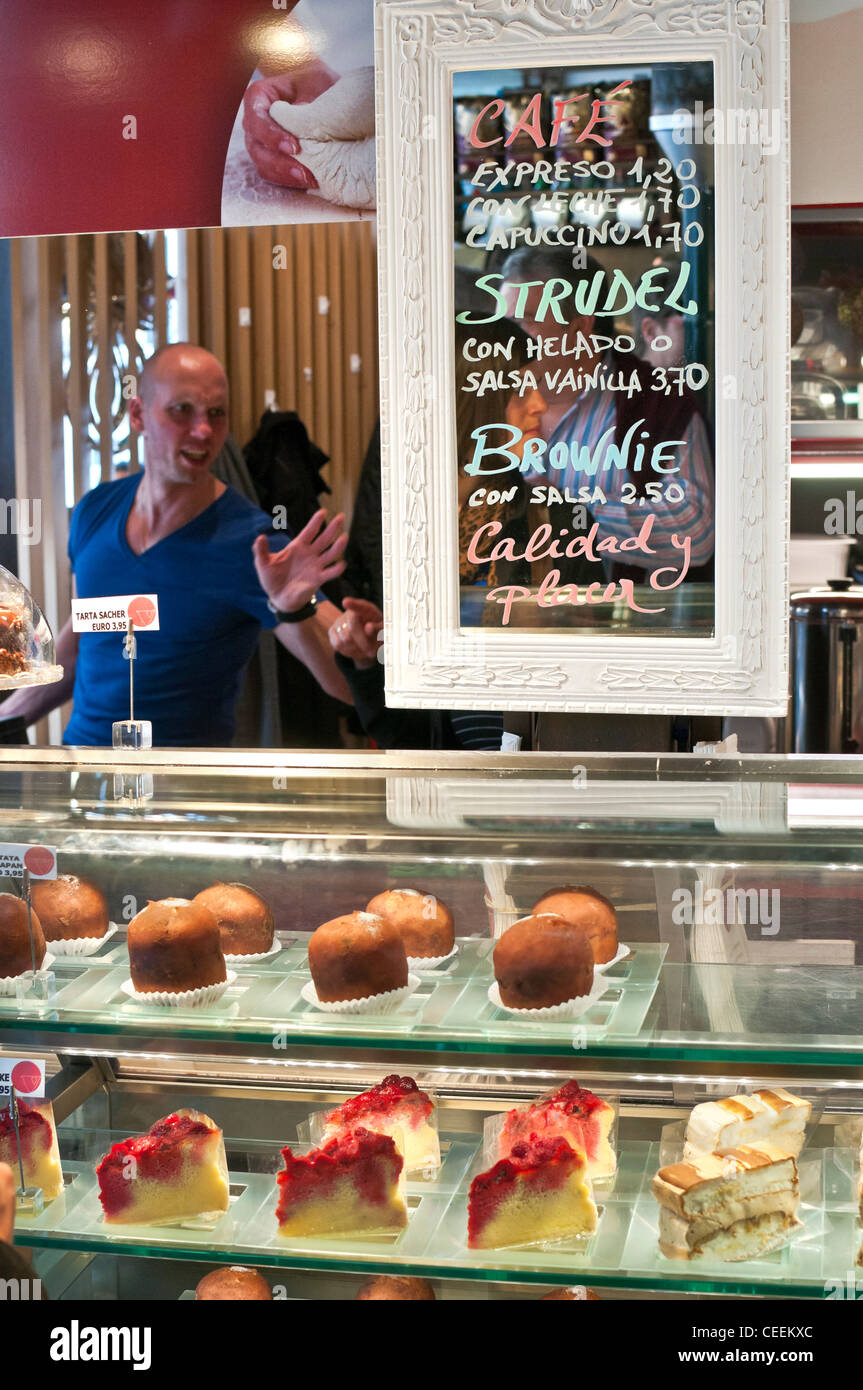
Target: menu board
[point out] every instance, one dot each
(584, 348)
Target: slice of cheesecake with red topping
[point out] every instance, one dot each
(173, 1173)
(40, 1153)
(573, 1113)
(351, 1183)
(539, 1193)
(396, 1107)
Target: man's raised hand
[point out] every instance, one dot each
(292, 576)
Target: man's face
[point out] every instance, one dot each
(183, 418)
(671, 327)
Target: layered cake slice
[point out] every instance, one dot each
(174, 1172)
(40, 1153)
(540, 1192)
(572, 1112)
(727, 1207)
(717, 1126)
(351, 1183)
(396, 1107)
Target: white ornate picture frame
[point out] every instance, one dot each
(430, 660)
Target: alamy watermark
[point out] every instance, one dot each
(22, 517)
(728, 126)
(702, 906)
(20, 1290)
(843, 516)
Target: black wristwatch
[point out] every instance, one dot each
(298, 615)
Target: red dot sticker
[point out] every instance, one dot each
(26, 1078)
(141, 610)
(39, 860)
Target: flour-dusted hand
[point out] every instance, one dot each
(292, 576)
(337, 135)
(357, 633)
(272, 150)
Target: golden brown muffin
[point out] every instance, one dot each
(541, 961)
(70, 908)
(355, 956)
(578, 1294)
(586, 908)
(425, 923)
(397, 1286)
(174, 945)
(236, 1282)
(15, 955)
(245, 921)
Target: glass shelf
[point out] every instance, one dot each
(652, 1009)
(622, 1253)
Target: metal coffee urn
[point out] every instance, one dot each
(827, 669)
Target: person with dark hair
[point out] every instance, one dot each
(474, 411)
(597, 416)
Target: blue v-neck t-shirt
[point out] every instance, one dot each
(211, 610)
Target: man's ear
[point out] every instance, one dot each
(136, 417)
(649, 329)
(582, 323)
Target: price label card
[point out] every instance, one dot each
(114, 614)
(39, 860)
(25, 1074)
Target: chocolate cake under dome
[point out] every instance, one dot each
(26, 641)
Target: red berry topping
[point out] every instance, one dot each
(393, 1091)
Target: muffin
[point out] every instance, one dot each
(174, 945)
(15, 955)
(424, 923)
(541, 961)
(245, 921)
(237, 1283)
(396, 1286)
(70, 908)
(586, 908)
(356, 956)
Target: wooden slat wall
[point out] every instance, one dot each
(309, 294)
(37, 269)
(130, 323)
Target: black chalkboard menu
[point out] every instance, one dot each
(584, 384)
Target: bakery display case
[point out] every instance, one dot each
(722, 900)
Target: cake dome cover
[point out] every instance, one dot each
(26, 640)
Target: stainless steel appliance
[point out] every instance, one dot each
(827, 669)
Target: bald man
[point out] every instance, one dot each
(175, 530)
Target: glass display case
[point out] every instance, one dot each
(738, 894)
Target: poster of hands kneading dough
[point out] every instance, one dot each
(303, 144)
(195, 114)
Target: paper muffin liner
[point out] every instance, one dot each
(570, 1008)
(186, 999)
(385, 1003)
(9, 983)
(84, 945)
(421, 963)
(621, 954)
(253, 956)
